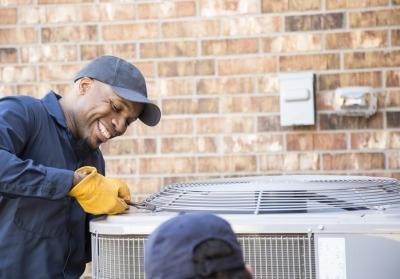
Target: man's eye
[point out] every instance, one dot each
(115, 108)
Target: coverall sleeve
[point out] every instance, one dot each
(24, 177)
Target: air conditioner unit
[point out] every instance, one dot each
(290, 227)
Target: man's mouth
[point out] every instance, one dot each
(103, 130)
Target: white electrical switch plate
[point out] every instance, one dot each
(297, 99)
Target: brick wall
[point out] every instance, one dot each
(212, 66)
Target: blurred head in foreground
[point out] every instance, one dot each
(194, 245)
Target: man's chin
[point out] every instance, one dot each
(88, 144)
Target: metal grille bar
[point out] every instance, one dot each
(272, 256)
(261, 195)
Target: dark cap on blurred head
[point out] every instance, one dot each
(126, 80)
(169, 249)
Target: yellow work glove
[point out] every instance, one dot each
(98, 194)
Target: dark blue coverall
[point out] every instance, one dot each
(43, 231)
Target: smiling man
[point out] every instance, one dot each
(52, 175)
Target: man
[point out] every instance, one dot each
(194, 245)
(51, 173)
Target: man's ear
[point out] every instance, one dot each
(84, 85)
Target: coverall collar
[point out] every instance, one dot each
(53, 107)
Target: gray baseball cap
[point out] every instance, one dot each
(169, 249)
(126, 80)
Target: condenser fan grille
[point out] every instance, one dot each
(280, 194)
(277, 256)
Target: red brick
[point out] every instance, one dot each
(176, 87)
(168, 49)
(186, 178)
(134, 31)
(375, 18)
(63, 14)
(147, 68)
(8, 55)
(256, 65)
(49, 53)
(314, 22)
(324, 100)
(333, 81)
(374, 59)
(189, 145)
(338, 122)
(353, 161)
(124, 50)
(393, 119)
(113, 11)
(143, 185)
(167, 126)
(226, 47)
(309, 62)
(17, 36)
(250, 25)
(227, 7)
(186, 68)
(17, 74)
(63, 1)
(166, 9)
(251, 143)
(396, 37)
(293, 42)
(39, 90)
(8, 16)
(125, 146)
(216, 86)
(290, 162)
(279, 6)
(230, 164)
(58, 72)
(80, 13)
(17, 2)
(389, 99)
(394, 174)
(190, 106)
(120, 166)
(394, 159)
(268, 84)
(375, 140)
(69, 34)
(246, 104)
(268, 123)
(357, 39)
(353, 4)
(301, 142)
(170, 165)
(218, 125)
(183, 29)
(393, 78)
(9, 90)
(30, 15)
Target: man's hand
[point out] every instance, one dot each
(97, 194)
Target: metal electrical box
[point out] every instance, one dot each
(297, 99)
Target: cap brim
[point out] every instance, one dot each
(151, 113)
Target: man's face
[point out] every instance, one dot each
(101, 114)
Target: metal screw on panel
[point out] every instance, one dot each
(321, 227)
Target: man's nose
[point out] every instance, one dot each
(118, 125)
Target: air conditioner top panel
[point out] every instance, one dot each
(280, 194)
(138, 222)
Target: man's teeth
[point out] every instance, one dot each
(104, 131)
